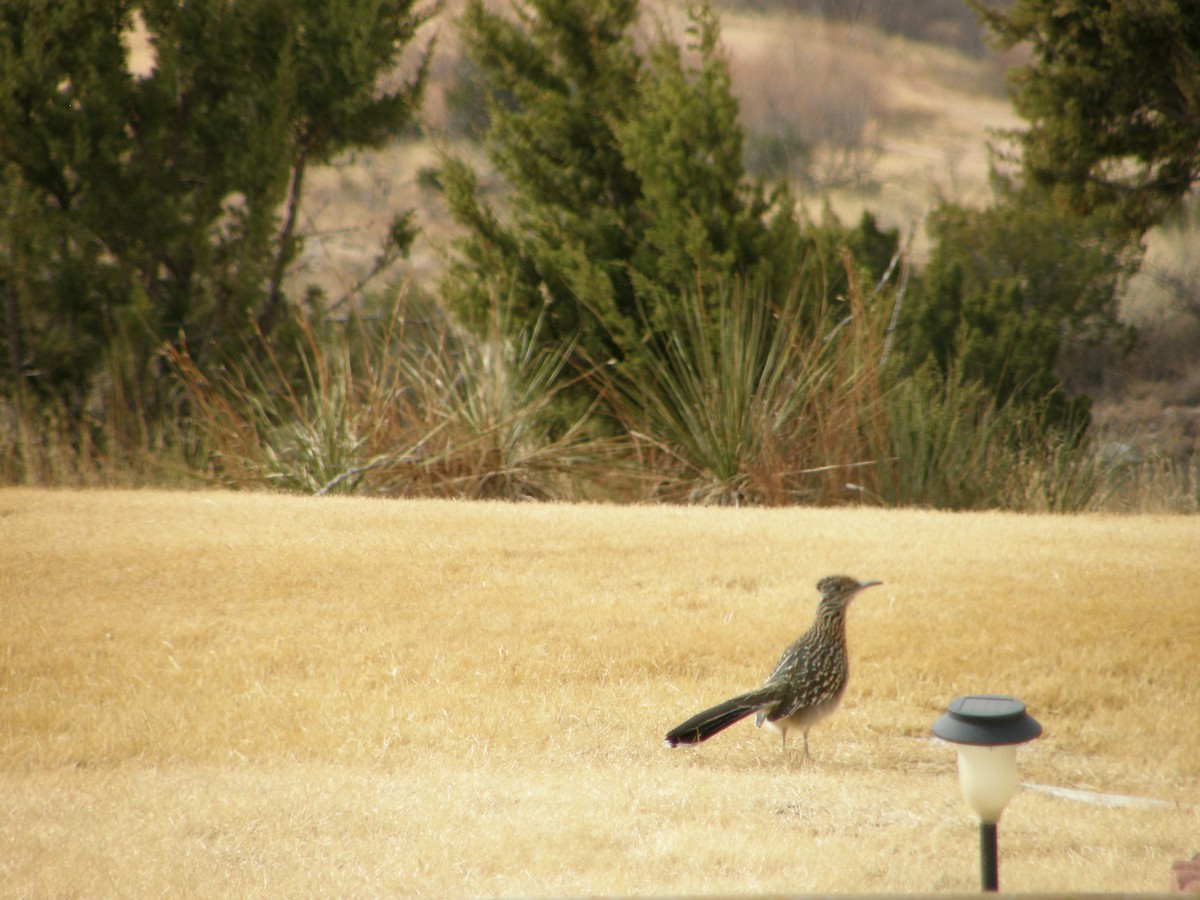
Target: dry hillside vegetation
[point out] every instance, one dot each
(911, 120)
(919, 116)
(232, 694)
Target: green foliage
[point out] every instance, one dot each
(721, 386)
(1005, 288)
(741, 403)
(145, 207)
(949, 444)
(940, 431)
(1112, 97)
(551, 87)
(627, 209)
(625, 175)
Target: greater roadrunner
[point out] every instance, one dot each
(808, 681)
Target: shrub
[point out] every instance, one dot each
(407, 407)
(950, 444)
(161, 206)
(625, 178)
(1005, 289)
(742, 402)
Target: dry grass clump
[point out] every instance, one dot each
(414, 406)
(263, 695)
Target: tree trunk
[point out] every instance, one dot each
(16, 350)
(283, 253)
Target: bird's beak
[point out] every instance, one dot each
(867, 584)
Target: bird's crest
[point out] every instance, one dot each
(835, 584)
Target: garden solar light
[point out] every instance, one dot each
(986, 729)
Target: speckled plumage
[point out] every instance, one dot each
(807, 683)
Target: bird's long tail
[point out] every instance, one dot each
(702, 726)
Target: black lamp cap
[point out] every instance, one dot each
(986, 720)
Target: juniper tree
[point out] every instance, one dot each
(623, 177)
(1111, 93)
(146, 207)
(1006, 289)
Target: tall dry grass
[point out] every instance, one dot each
(749, 401)
(217, 694)
(411, 406)
(743, 403)
(44, 444)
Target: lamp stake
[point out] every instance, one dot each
(989, 868)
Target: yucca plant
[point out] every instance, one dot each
(395, 410)
(745, 401)
(260, 425)
(950, 445)
(493, 424)
(939, 444)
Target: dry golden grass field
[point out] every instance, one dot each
(237, 694)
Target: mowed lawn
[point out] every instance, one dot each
(238, 694)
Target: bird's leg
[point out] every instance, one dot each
(783, 739)
(806, 743)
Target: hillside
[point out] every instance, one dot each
(922, 117)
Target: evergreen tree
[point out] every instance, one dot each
(556, 80)
(624, 176)
(1005, 289)
(1112, 97)
(146, 208)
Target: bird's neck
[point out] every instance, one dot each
(830, 621)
